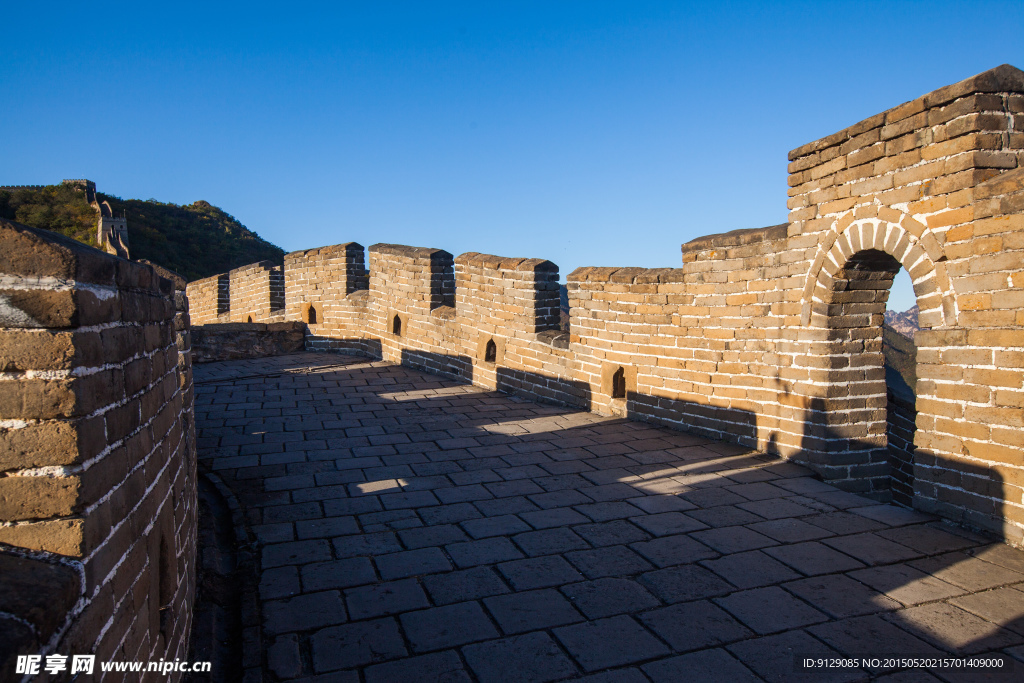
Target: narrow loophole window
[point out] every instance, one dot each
(249, 320)
(312, 316)
(396, 326)
(619, 384)
(491, 352)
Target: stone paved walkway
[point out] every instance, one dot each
(412, 528)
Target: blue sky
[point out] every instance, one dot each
(588, 133)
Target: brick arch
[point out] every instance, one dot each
(892, 232)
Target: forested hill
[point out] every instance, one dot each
(196, 240)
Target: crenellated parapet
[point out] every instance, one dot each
(770, 338)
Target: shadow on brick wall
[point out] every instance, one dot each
(447, 365)
(355, 346)
(734, 425)
(544, 388)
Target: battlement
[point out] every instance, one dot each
(770, 338)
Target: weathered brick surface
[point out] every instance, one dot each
(768, 338)
(234, 341)
(97, 442)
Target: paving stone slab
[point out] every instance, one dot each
(694, 626)
(772, 658)
(296, 553)
(448, 514)
(667, 523)
(438, 535)
(926, 539)
(604, 512)
(485, 551)
(967, 572)
(549, 542)
(734, 539)
(347, 573)
(616, 532)
(790, 530)
(609, 597)
(770, 610)
(870, 636)
(688, 582)
(723, 516)
(661, 503)
(440, 666)
(840, 596)
(775, 508)
(283, 657)
(381, 599)
(813, 558)
(1002, 606)
(905, 583)
(616, 560)
(411, 563)
(531, 610)
(559, 499)
(539, 572)
(713, 497)
(604, 643)
(1000, 554)
(463, 494)
(708, 666)
(303, 612)
(366, 544)
(513, 505)
(357, 644)
(554, 517)
(467, 584)
(279, 582)
(670, 551)
(892, 515)
(446, 627)
(326, 527)
(953, 629)
(529, 658)
(750, 569)
(844, 522)
(627, 675)
(502, 525)
(871, 549)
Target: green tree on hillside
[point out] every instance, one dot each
(196, 240)
(60, 208)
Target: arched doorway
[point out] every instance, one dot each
(849, 434)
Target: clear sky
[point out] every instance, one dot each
(587, 133)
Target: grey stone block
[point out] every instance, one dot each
(377, 600)
(448, 626)
(531, 610)
(605, 643)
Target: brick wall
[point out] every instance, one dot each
(316, 280)
(209, 299)
(97, 441)
(256, 293)
(771, 338)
